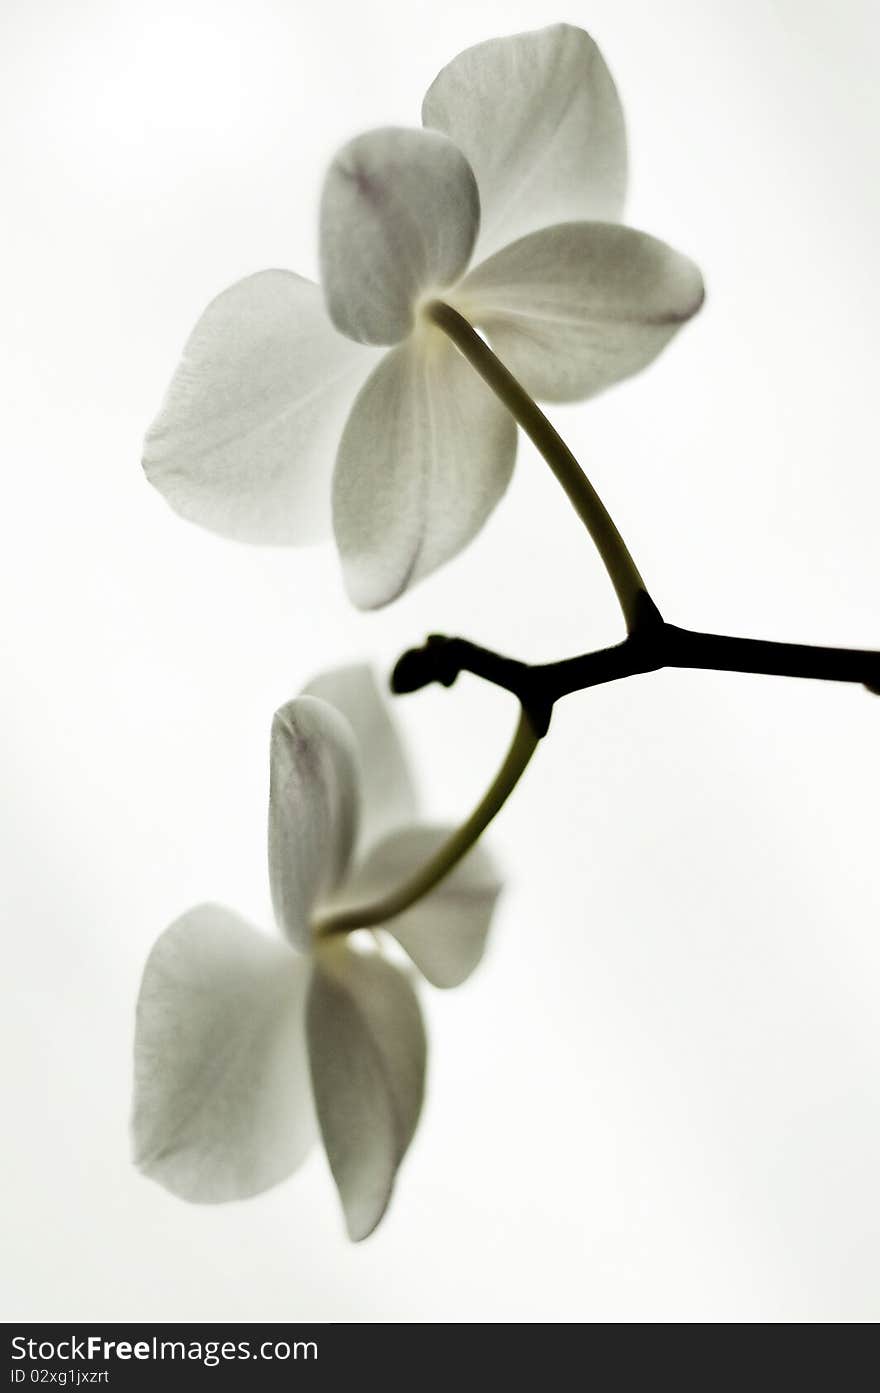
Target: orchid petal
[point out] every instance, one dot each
(445, 932)
(425, 457)
(574, 308)
(388, 797)
(245, 441)
(313, 810)
(223, 1105)
(367, 1051)
(539, 119)
(399, 216)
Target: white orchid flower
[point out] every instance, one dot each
(245, 1045)
(282, 398)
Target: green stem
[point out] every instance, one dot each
(639, 611)
(370, 916)
(622, 570)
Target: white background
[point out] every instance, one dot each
(659, 1099)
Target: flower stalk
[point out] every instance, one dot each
(348, 919)
(650, 644)
(623, 572)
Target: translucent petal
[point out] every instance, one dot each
(576, 307)
(425, 457)
(388, 797)
(444, 933)
(367, 1051)
(539, 119)
(223, 1106)
(246, 438)
(313, 810)
(399, 216)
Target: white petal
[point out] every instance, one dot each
(388, 797)
(399, 216)
(539, 118)
(313, 810)
(367, 1051)
(425, 456)
(576, 307)
(245, 441)
(444, 933)
(223, 1106)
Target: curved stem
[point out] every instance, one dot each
(369, 916)
(629, 586)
